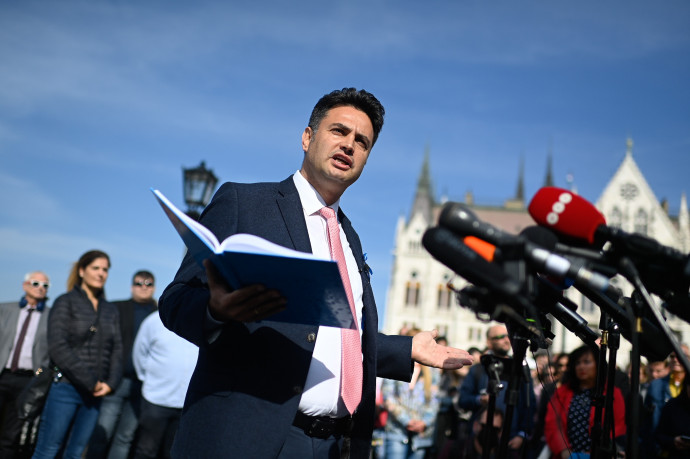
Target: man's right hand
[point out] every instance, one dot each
(247, 304)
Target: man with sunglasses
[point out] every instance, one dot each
(118, 418)
(23, 349)
(474, 396)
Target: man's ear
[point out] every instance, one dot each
(306, 138)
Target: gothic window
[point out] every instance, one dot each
(616, 217)
(444, 297)
(641, 221)
(629, 191)
(412, 291)
(474, 334)
(415, 246)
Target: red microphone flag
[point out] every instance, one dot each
(566, 213)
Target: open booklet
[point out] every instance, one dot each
(312, 285)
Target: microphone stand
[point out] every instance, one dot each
(628, 270)
(493, 367)
(597, 399)
(519, 344)
(633, 406)
(641, 298)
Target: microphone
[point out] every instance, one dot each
(566, 213)
(446, 248)
(460, 219)
(552, 301)
(575, 217)
(549, 299)
(664, 269)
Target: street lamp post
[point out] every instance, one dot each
(199, 184)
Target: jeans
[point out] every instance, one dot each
(396, 448)
(157, 428)
(64, 405)
(118, 420)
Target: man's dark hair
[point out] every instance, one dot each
(361, 100)
(145, 274)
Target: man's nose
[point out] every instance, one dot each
(347, 144)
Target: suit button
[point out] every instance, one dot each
(297, 389)
(311, 337)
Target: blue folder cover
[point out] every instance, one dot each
(312, 286)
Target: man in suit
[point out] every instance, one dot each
(23, 349)
(269, 389)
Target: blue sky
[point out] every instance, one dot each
(101, 100)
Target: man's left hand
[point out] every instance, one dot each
(427, 351)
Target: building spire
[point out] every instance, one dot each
(424, 196)
(548, 180)
(629, 146)
(520, 192)
(518, 202)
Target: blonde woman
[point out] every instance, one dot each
(412, 408)
(85, 347)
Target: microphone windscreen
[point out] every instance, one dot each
(566, 213)
(541, 236)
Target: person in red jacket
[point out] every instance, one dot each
(570, 414)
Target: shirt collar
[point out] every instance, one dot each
(312, 201)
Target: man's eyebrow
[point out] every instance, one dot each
(341, 126)
(349, 129)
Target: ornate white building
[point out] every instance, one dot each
(418, 295)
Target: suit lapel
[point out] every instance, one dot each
(293, 216)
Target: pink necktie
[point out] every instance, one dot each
(351, 366)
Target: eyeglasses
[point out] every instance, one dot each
(143, 284)
(35, 283)
(497, 337)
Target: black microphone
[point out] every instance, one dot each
(444, 246)
(460, 219)
(577, 219)
(552, 301)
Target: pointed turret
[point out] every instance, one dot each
(548, 180)
(424, 196)
(518, 202)
(520, 192)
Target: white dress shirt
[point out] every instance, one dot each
(26, 352)
(321, 396)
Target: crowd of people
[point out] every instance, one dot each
(554, 408)
(119, 377)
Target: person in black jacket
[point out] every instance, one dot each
(85, 347)
(118, 418)
(673, 431)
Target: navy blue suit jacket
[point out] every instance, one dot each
(248, 382)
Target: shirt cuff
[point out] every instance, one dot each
(212, 327)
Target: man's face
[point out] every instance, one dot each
(36, 288)
(336, 153)
(142, 289)
(658, 370)
(674, 363)
(497, 340)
